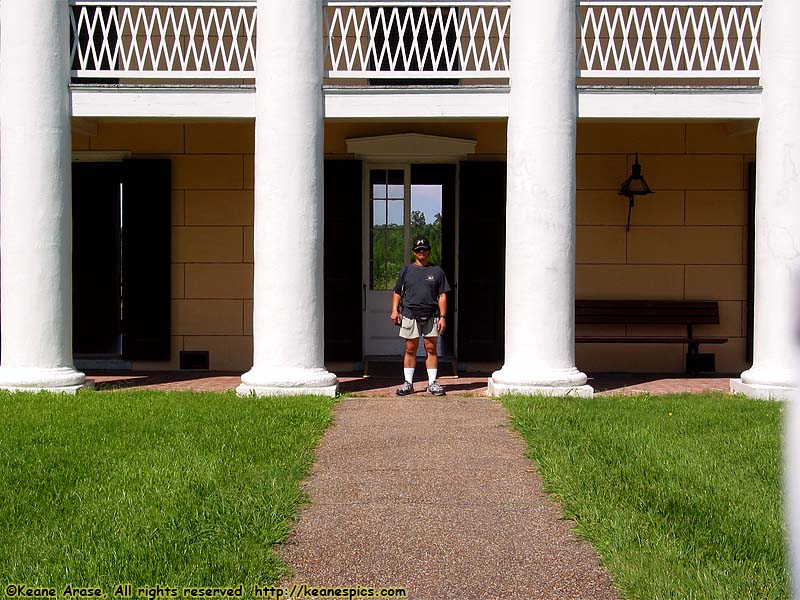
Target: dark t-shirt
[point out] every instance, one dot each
(424, 285)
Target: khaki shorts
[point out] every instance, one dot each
(411, 329)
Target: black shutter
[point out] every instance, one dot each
(482, 241)
(146, 248)
(96, 258)
(751, 261)
(444, 175)
(342, 264)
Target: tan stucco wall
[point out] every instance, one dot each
(687, 241)
(212, 231)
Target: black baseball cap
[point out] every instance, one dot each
(421, 243)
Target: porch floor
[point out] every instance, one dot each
(356, 385)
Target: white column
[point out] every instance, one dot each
(36, 198)
(288, 295)
(777, 250)
(540, 213)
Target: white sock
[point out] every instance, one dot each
(432, 375)
(409, 374)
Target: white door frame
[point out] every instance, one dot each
(402, 151)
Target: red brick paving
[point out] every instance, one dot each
(354, 384)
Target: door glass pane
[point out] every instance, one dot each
(377, 183)
(386, 260)
(387, 225)
(388, 212)
(395, 180)
(378, 213)
(426, 217)
(379, 191)
(396, 212)
(378, 176)
(396, 191)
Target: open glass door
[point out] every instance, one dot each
(388, 191)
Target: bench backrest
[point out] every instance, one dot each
(646, 312)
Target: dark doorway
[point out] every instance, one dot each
(121, 245)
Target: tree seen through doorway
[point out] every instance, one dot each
(387, 248)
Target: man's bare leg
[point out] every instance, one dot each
(432, 364)
(431, 357)
(410, 356)
(409, 363)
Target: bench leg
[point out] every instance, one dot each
(694, 350)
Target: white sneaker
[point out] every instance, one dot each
(405, 389)
(435, 389)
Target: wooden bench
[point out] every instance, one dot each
(651, 312)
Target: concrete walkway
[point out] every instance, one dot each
(436, 495)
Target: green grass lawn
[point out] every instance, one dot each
(681, 495)
(150, 487)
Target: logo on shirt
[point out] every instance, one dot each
(431, 278)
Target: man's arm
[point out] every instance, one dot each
(442, 323)
(395, 316)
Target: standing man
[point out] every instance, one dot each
(422, 288)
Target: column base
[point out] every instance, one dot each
(64, 380)
(559, 382)
(288, 382)
(502, 389)
(763, 392)
(766, 383)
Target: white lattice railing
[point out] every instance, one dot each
(669, 38)
(417, 39)
(170, 40)
(410, 39)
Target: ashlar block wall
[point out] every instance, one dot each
(688, 241)
(212, 231)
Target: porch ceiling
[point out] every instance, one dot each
(423, 102)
